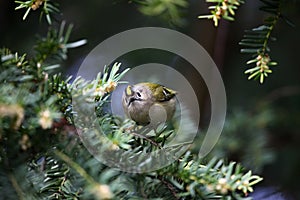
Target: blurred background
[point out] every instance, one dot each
(262, 125)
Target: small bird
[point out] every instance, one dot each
(149, 103)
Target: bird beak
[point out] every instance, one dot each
(130, 100)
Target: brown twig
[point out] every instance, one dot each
(148, 139)
(169, 186)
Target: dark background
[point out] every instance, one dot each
(97, 20)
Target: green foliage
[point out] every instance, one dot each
(48, 8)
(222, 9)
(41, 152)
(55, 46)
(53, 179)
(246, 140)
(215, 180)
(256, 41)
(49, 178)
(29, 112)
(169, 10)
(71, 172)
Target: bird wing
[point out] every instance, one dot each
(163, 93)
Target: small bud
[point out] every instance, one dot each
(114, 147)
(209, 188)
(261, 69)
(219, 11)
(218, 187)
(25, 142)
(34, 7)
(224, 6)
(100, 91)
(246, 183)
(222, 181)
(111, 86)
(222, 186)
(102, 191)
(224, 190)
(45, 120)
(46, 76)
(258, 63)
(259, 57)
(39, 2)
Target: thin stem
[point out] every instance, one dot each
(274, 22)
(12, 178)
(16, 186)
(144, 137)
(75, 166)
(169, 186)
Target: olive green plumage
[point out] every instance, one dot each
(149, 102)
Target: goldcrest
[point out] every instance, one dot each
(149, 102)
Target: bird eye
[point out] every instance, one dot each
(138, 94)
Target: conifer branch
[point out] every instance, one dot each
(48, 8)
(75, 166)
(170, 11)
(42, 124)
(222, 9)
(256, 41)
(16, 186)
